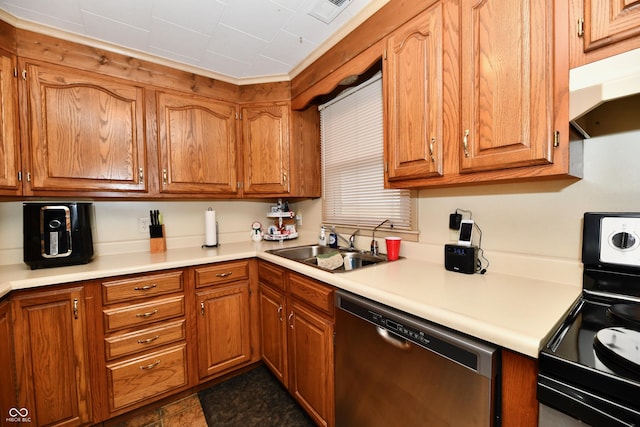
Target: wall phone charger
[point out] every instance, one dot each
(454, 221)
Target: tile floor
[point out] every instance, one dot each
(182, 413)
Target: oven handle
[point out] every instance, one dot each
(584, 405)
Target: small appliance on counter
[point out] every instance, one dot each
(57, 234)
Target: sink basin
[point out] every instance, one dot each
(299, 253)
(308, 254)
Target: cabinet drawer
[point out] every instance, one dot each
(143, 340)
(311, 292)
(141, 287)
(271, 275)
(142, 314)
(221, 273)
(137, 379)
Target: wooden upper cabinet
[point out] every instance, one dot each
(266, 148)
(197, 139)
(9, 141)
(603, 28)
(507, 82)
(85, 132)
(413, 85)
(610, 21)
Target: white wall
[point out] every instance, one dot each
(535, 220)
(542, 218)
(539, 220)
(116, 224)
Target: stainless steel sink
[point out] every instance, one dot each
(308, 254)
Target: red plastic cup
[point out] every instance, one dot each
(393, 247)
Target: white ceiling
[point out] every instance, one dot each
(239, 41)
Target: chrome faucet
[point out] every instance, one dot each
(350, 241)
(374, 243)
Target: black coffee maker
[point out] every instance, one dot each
(57, 234)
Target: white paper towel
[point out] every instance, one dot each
(210, 228)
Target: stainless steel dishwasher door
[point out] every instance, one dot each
(383, 378)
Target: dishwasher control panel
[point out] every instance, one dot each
(399, 329)
(447, 343)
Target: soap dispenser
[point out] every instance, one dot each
(322, 238)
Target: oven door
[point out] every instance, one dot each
(580, 404)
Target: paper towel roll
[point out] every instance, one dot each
(210, 228)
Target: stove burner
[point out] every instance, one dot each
(626, 314)
(621, 346)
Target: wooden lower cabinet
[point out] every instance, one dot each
(223, 318)
(519, 385)
(296, 326)
(7, 365)
(273, 332)
(223, 327)
(145, 355)
(68, 363)
(134, 380)
(310, 348)
(52, 361)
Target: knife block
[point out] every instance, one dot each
(157, 243)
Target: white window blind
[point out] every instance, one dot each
(351, 128)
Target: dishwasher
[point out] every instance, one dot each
(395, 369)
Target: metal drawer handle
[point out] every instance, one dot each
(280, 313)
(144, 288)
(465, 143)
(148, 340)
(290, 320)
(227, 274)
(150, 366)
(431, 144)
(147, 314)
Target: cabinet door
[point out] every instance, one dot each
(7, 367)
(265, 131)
(52, 358)
(86, 133)
(273, 332)
(414, 97)
(223, 324)
(9, 142)
(311, 362)
(197, 145)
(607, 22)
(507, 84)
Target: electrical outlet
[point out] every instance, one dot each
(299, 219)
(143, 224)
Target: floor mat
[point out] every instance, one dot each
(255, 398)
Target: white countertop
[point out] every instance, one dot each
(513, 312)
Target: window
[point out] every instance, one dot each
(352, 135)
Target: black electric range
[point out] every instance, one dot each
(590, 368)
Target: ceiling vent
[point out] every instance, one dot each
(327, 10)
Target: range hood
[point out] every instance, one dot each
(605, 95)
